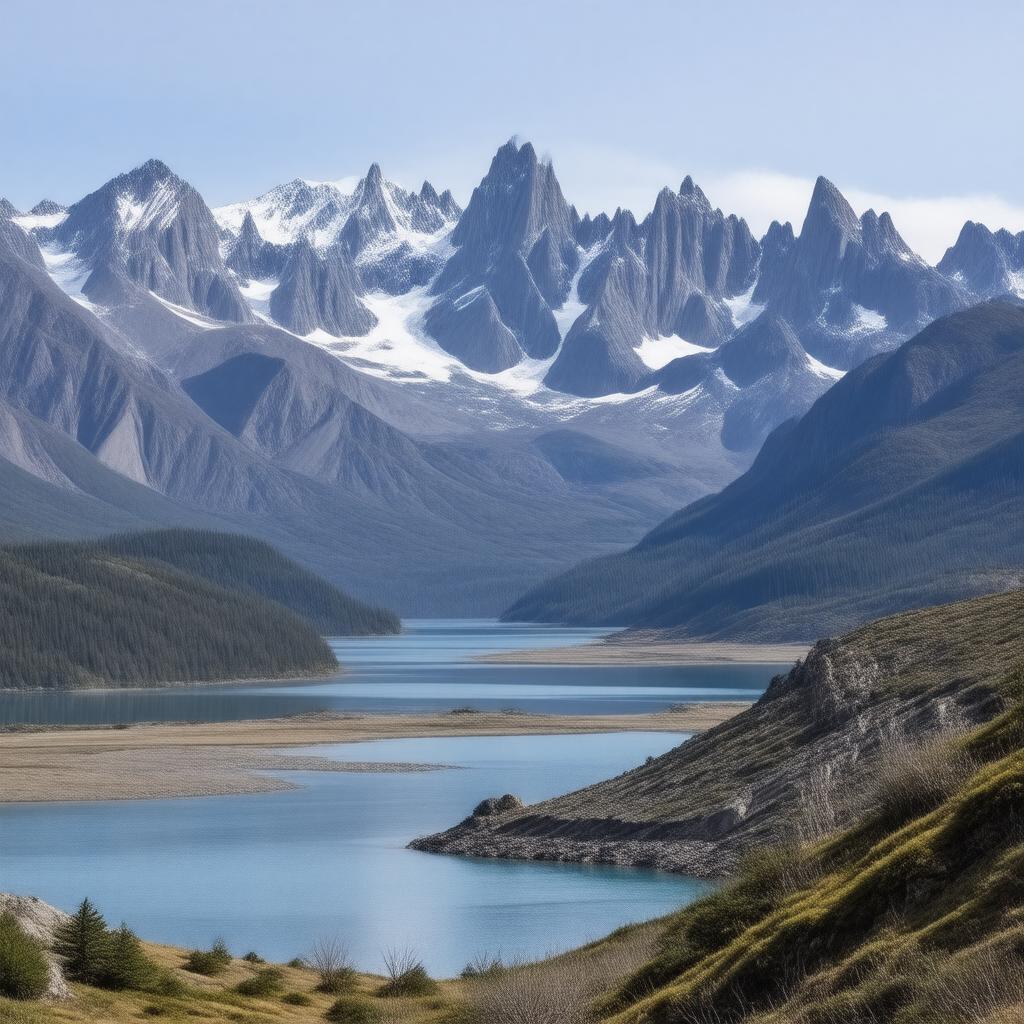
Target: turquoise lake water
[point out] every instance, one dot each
(427, 668)
(274, 872)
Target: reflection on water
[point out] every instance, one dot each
(427, 668)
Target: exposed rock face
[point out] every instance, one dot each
(497, 805)
(155, 229)
(989, 263)
(471, 329)
(849, 286)
(699, 807)
(320, 292)
(40, 921)
(515, 240)
(669, 276)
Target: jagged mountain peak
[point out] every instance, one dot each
(988, 262)
(689, 189)
(829, 210)
(47, 208)
(8, 209)
(429, 194)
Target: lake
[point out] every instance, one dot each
(429, 667)
(273, 872)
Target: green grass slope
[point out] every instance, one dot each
(912, 915)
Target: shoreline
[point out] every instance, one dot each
(72, 764)
(644, 649)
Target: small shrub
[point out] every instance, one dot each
(209, 962)
(24, 972)
(263, 984)
(298, 963)
(125, 964)
(153, 1010)
(296, 999)
(166, 983)
(252, 957)
(910, 778)
(330, 959)
(483, 965)
(406, 975)
(353, 1010)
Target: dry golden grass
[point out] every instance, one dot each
(212, 1001)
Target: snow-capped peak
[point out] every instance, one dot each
(324, 213)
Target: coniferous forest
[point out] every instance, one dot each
(173, 606)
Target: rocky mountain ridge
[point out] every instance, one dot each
(700, 807)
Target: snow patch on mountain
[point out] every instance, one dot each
(69, 273)
(40, 221)
(658, 352)
(867, 320)
(257, 294)
(190, 315)
(397, 347)
(819, 369)
(742, 308)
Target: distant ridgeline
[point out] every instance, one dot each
(903, 485)
(167, 606)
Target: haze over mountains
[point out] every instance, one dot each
(436, 407)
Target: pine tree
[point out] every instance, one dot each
(82, 941)
(126, 965)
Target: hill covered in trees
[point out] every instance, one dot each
(171, 606)
(902, 486)
(253, 566)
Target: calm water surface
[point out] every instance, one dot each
(428, 668)
(273, 872)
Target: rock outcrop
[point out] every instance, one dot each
(748, 782)
(39, 920)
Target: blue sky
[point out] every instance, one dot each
(916, 106)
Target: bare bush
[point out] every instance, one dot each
(820, 809)
(330, 959)
(406, 974)
(909, 777)
(975, 987)
(557, 991)
(483, 964)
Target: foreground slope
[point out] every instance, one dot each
(699, 807)
(902, 486)
(119, 614)
(912, 915)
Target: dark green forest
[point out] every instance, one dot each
(250, 565)
(125, 612)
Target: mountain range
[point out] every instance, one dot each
(435, 407)
(902, 486)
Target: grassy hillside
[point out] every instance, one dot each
(79, 615)
(700, 807)
(902, 486)
(913, 915)
(253, 566)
